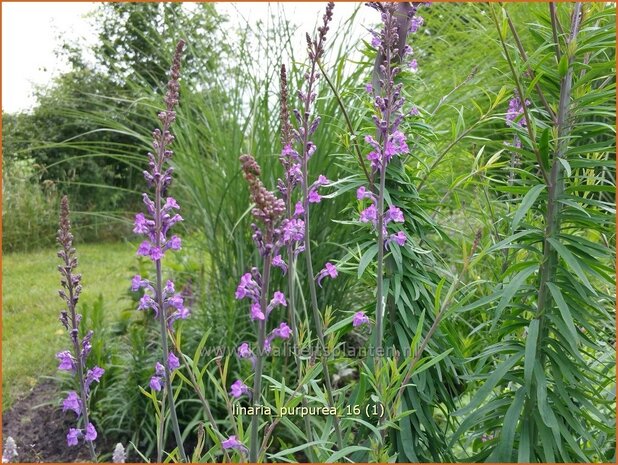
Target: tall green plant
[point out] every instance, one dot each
(546, 394)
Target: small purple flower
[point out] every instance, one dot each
(416, 23)
(146, 302)
(137, 283)
(293, 230)
(155, 253)
(394, 214)
(369, 214)
(159, 369)
(94, 375)
(298, 209)
(375, 41)
(256, 312)
(144, 249)
(247, 288)
(72, 402)
(176, 301)
(282, 332)
(278, 299)
(244, 351)
(73, 437)
(280, 263)
(169, 288)
(155, 383)
(142, 225)
(91, 433)
(67, 362)
(399, 238)
(170, 203)
(173, 362)
(363, 193)
(233, 443)
(413, 65)
(314, 197)
(238, 389)
(174, 243)
(369, 88)
(360, 319)
(328, 270)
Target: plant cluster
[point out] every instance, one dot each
(455, 340)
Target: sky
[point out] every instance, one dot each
(31, 32)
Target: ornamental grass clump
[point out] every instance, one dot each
(155, 224)
(269, 210)
(74, 360)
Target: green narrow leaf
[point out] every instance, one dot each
(511, 289)
(343, 452)
(366, 259)
(526, 203)
(505, 448)
(564, 310)
(572, 261)
(491, 383)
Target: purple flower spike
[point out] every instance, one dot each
(73, 437)
(360, 319)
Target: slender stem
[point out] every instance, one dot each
(162, 314)
(203, 400)
(292, 315)
(76, 349)
(259, 362)
(436, 322)
(524, 57)
(522, 96)
(310, 275)
(80, 377)
(388, 86)
(380, 271)
(314, 304)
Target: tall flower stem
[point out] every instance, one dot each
(259, 362)
(316, 49)
(70, 319)
(286, 141)
(75, 331)
(162, 314)
(314, 298)
(388, 87)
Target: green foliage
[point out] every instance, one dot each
(549, 357)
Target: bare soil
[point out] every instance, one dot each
(39, 427)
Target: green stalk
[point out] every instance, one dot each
(254, 448)
(314, 300)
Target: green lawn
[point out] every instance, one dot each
(31, 333)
